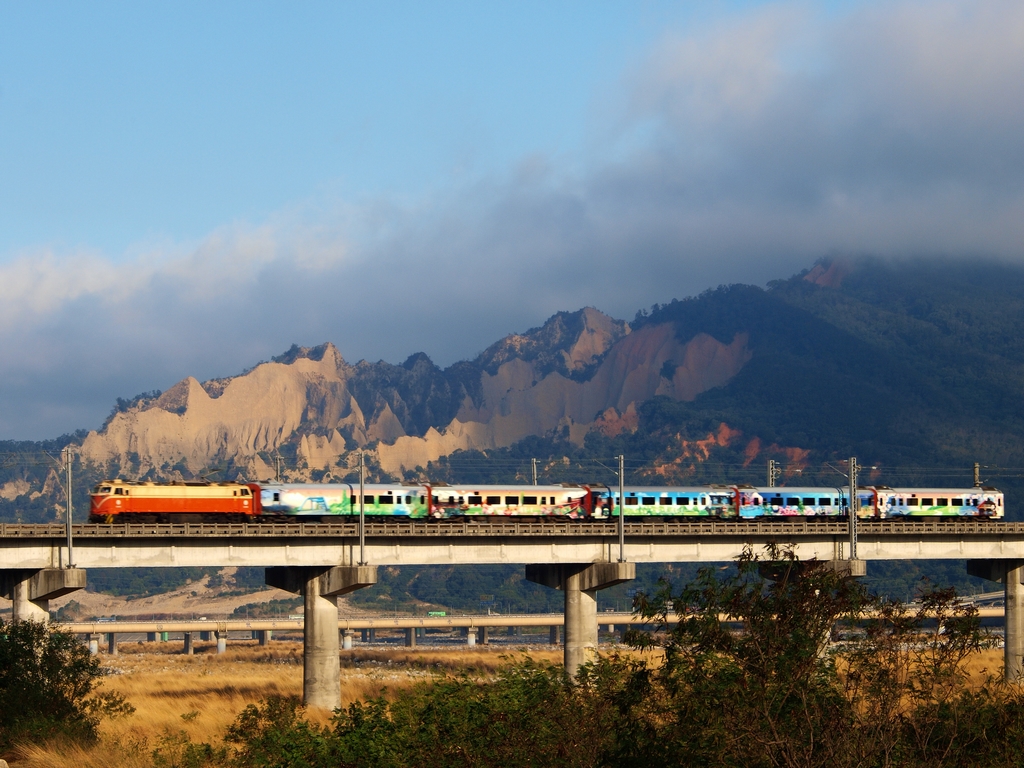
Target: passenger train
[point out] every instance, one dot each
(124, 500)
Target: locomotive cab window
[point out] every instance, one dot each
(117, 491)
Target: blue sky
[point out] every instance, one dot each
(127, 122)
(186, 189)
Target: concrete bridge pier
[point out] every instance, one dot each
(320, 588)
(31, 590)
(580, 582)
(1011, 574)
(94, 644)
(188, 649)
(112, 644)
(410, 638)
(471, 637)
(264, 636)
(484, 636)
(346, 640)
(553, 633)
(222, 641)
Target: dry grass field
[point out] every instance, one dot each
(201, 695)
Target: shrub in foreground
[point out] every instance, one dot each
(47, 686)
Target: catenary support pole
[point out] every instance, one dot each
(362, 509)
(853, 508)
(67, 525)
(622, 508)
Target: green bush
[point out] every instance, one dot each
(47, 686)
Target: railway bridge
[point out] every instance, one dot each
(321, 561)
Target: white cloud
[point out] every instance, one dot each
(741, 151)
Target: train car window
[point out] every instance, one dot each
(792, 502)
(277, 497)
(512, 500)
(957, 502)
(664, 501)
(434, 498)
(703, 501)
(913, 502)
(808, 502)
(368, 499)
(543, 499)
(683, 501)
(649, 500)
(494, 499)
(386, 500)
(926, 502)
(476, 499)
(777, 500)
(529, 499)
(631, 501)
(942, 502)
(422, 499)
(824, 502)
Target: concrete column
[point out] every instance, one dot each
(364, 635)
(346, 640)
(222, 642)
(94, 645)
(320, 588)
(1013, 648)
(112, 644)
(471, 637)
(321, 670)
(372, 636)
(264, 636)
(410, 638)
(188, 650)
(30, 590)
(484, 636)
(1010, 573)
(580, 582)
(580, 624)
(553, 635)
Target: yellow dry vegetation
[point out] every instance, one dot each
(201, 695)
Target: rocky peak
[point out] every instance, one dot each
(569, 343)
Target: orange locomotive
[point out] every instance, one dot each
(120, 500)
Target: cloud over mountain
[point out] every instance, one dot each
(739, 151)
